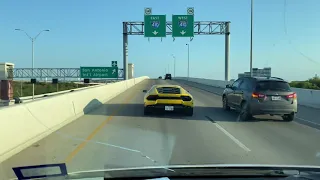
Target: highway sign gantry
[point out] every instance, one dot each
(114, 63)
(98, 72)
(182, 26)
(155, 26)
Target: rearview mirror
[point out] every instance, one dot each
(228, 86)
(144, 91)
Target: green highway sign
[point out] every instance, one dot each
(114, 63)
(155, 26)
(182, 25)
(98, 72)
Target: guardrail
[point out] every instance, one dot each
(306, 97)
(25, 99)
(29, 98)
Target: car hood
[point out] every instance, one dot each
(192, 170)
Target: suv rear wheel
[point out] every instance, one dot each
(225, 103)
(245, 112)
(288, 117)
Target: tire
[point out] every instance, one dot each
(146, 111)
(225, 103)
(288, 117)
(189, 112)
(245, 112)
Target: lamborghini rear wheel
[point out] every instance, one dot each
(146, 111)
(189, 112)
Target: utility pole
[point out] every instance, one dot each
(251, 73)
(188, 59)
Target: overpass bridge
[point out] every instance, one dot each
(104, 126)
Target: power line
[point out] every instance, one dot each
(288, 38)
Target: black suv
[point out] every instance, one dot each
(168, 76)
(261, 95)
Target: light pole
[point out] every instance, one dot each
(32, 40)
(174, 65)
(251, 73)
(188, 59)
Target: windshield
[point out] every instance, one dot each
(107, 84)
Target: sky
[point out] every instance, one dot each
(89, 33)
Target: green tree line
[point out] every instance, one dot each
(313, 83)
(25, 89)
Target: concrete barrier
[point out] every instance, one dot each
(24, 124)
(306, 97)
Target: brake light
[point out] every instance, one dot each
(294, 96)
(258, 95)
(186, 98)
(152, 97)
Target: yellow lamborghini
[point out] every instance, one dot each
(166, 98)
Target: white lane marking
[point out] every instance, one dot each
(232, 137)
(308, 121)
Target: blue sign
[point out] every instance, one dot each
(183, 24)
(155, 24)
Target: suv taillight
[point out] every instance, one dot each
(258, 95)
(152, 97)
(293, 95)
(186, 98)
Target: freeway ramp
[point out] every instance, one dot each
(117, 134)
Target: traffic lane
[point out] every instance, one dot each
(306, 115)
(134, 140)
(127, 140)
(59, 146)
(163, 138)
(270, 139)
(204, 87)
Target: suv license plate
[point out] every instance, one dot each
(168, 108)
(275, 98)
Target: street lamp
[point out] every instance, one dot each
(188, 59)
(32, 40)
(174, 65)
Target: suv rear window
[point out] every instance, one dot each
(272, 86)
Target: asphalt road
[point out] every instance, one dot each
(117, 134)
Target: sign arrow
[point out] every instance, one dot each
(113, 71)
(182, 32)
(155, 32)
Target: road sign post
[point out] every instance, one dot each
(182, 26)
(99, 72)
(155, 26)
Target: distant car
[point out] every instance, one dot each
(261, 95)
(167, 98)
(160, 77)
(168, 76)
